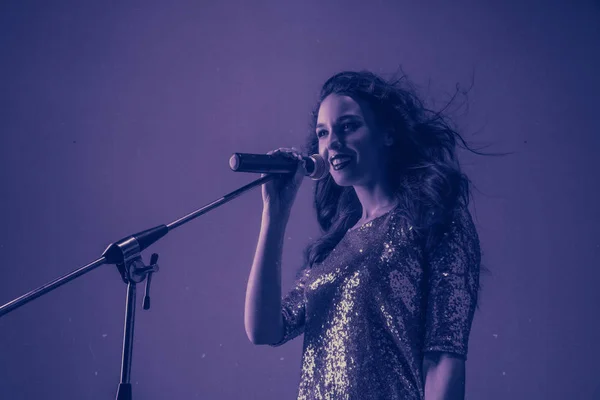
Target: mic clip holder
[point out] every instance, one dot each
(125, 254)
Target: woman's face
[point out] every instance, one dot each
(346, 130)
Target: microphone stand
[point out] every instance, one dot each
(126, 255)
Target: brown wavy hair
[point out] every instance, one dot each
(424, 166)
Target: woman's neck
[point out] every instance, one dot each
(375, 200)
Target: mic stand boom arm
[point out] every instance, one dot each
(126, 255)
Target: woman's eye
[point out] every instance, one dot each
(348, 126)
(321, 133)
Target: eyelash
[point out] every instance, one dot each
(350, 125)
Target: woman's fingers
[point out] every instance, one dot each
(293, 153)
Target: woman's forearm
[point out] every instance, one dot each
(444, 377)
(262, 313)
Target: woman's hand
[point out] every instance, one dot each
(279, 194)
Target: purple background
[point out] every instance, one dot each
(115, 118)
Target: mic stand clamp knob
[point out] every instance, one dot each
(151, 269)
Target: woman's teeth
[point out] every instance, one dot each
(340, 163)
(340, 160)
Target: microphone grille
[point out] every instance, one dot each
(321, 168)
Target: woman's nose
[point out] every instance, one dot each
(333, 141)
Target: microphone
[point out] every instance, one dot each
(316, 166)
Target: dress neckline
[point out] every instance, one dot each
(370, 223)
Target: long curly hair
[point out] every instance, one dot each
(424, 166)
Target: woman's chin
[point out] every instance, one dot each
(343, 179)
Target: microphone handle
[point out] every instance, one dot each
(262, 163)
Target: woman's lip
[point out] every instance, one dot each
(342, 164)
(339, 156)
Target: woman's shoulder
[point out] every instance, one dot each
(399, 225)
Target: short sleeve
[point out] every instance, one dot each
(293, 309)
(453, 282)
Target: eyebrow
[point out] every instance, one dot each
(341, 119)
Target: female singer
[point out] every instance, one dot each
(387, 294)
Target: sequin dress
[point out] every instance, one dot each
(377, 303)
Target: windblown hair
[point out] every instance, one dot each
(424, 166)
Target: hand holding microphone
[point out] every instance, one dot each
(279, 194)
(276, 162)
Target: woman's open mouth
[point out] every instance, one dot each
(340, 162)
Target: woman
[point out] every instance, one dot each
(388, 293)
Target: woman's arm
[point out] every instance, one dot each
(453, 285)
(262, 314)
(444, 376)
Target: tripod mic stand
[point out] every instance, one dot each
(126, 255)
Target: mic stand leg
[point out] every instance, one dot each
(124, 392)
(133, 271)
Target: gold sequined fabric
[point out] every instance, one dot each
(377, 303)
